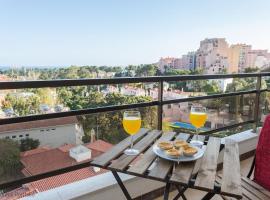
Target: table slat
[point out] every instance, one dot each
(207, 171)
(184, 171)
(200, 137)
(183, 136)
(123, 161)
(149, 156)
(231, 179)
(163, 167)
(116, 150)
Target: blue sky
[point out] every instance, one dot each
(122, 32)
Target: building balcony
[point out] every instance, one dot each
(59, 166)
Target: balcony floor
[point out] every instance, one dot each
(197, 195)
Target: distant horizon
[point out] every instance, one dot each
(122, 33)
(63, 66)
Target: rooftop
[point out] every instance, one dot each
(36, 161)
(39, 124)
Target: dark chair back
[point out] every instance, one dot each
(262, 160)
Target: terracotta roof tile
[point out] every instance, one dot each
(18, 193)
(34, 151)
(99, 145)
(63, 179)
(66, 147)
(50, 160)
(40, 161)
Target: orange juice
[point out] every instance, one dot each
(197, 119)
(132, 124)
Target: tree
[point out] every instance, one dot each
(251, 70)
(28, 144)
(22, 105)
(108, 126)
(9, 157)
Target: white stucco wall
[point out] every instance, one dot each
(49, 136)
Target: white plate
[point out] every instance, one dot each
(161, 153)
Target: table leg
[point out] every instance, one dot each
(180, 193)
(167, 191)
(208, 196)
(121, 184)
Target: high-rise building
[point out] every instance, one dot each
(215, 56)
(212, 56)
(237, 55)
(189, 61)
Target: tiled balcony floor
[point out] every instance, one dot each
(197, 195)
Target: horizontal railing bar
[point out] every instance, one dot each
(228, 127)
(116, 108)
(76, 112)
(121, 80)
(20, 182)
(214, 96)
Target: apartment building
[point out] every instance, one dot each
(212, 55)
(169, 62)
(50, 132)
(215, 56)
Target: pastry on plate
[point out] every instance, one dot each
(173, 152)
(180, 143)
(165, 145)
(190, 151)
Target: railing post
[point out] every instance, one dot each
(257, 103)
(160, 104)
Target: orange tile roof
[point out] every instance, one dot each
(41, 160)
(99, 145)
(34, 151)
(38, 124)
(63, 179)
(18, 193)
(44, 159)
(51, 183)
(66, 147)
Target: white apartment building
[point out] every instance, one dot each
(212, 56)
(50, 132)
(189, 61)
(169, 62)
(242, 56)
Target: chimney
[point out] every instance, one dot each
(80, 153)
(92, 136)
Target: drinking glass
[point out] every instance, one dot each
(197, 118)
(132, 124)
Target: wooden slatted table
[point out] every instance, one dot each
(200, 174)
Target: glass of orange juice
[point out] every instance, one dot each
(132, 124)
(197, 118)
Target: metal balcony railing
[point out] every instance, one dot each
(159, 103)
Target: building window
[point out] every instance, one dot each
(169, 106)
(13, 136)
(53, 129)
(48, 130)
(7, 137)
(41, 130)
(27, 135)
(20, 135)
